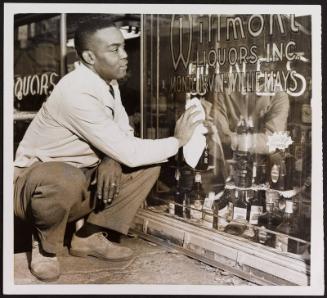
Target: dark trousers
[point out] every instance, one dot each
(51, 194)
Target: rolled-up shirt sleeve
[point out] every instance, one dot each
(87, 118)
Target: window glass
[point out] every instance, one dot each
(252, 75)
(36, 61)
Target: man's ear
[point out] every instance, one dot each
(88, 57)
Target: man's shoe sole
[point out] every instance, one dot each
(83, 254)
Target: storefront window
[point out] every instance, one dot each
(37, 61)
(252, 76)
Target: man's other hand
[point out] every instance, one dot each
(186, 125)
(108, 180)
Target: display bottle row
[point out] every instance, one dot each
(263, 216)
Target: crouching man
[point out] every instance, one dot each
(78, 142)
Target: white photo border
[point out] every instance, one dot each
(317, 248)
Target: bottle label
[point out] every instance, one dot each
(197, 177)
(171, 208)
(222, 216)
(239, 213)
(274, 173)
(289, 206)
(196, 211)
(254, 171)
(281, 243)
(255, 212)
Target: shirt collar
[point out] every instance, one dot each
(95, 77)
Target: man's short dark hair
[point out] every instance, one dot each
(86, 29)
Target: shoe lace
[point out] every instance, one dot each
(35, 244)
(102, 236)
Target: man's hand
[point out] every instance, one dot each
(186, 125)
(108, 180)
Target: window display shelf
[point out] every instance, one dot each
(165, 200)
(253, 261)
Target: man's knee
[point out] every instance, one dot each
(57, 179)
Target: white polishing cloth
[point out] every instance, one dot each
(193, 149)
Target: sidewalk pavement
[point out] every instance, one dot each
(152, 264)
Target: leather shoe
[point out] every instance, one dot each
(97, 245)
(43, 267)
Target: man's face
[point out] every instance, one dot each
(110, 60)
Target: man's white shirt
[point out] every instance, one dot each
(80, 118)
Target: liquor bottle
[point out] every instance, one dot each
(260, 169)
(276, 179)
(196, 199)
(268, 220)
(230, 170)
(250, 135)
(208, 210)
(221, 211)
(253, 207)
(242, 131)
(278, 201)
(242, 156)
(254, 173)
(281, 170)
(179, 198)
(256, 208)
(288, 227)
(240, 210)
